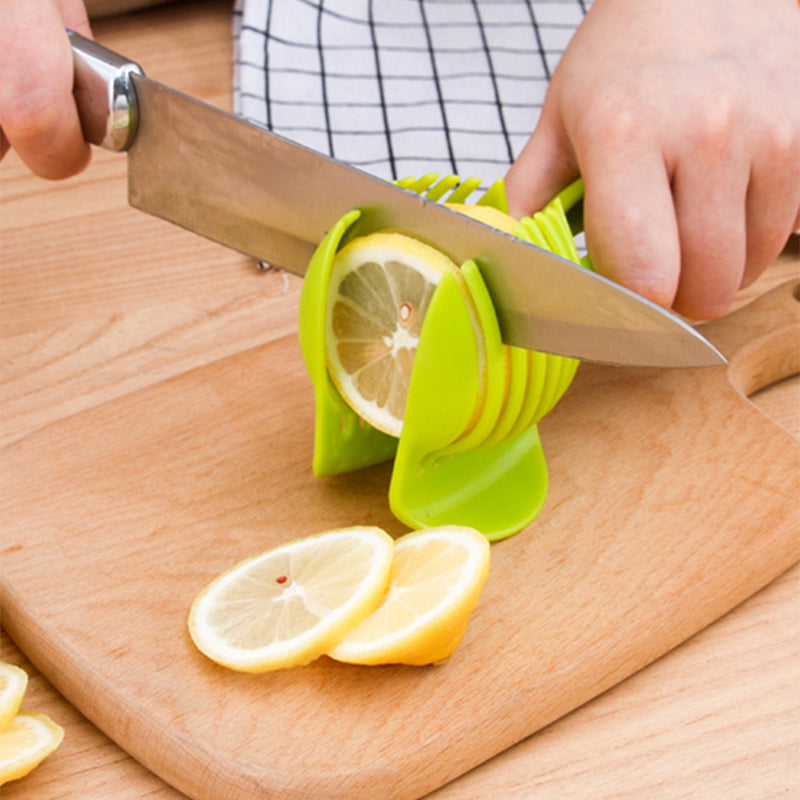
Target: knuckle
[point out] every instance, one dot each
(718, 117)
(617, 114)
(713, 132)
(781, 139)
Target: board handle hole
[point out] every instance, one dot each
(779, 401)
(767, 372)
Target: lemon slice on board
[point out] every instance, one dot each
(380, 288)
(287, 606)
(437, 578)
(25, 743)
(13, 683)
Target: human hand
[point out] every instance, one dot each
(683, 119)
(38, 116)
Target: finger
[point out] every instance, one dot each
(75, 17)
(37, 111)
(710, 199)
(772, 206)
(629, 218)
(544, 167)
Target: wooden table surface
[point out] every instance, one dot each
(98, 300)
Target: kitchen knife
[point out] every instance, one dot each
(275, 200)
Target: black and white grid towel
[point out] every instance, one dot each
(401, 87)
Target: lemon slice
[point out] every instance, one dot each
(380, 288)
(437, 578)
(13, 683)
(290, 604)
(25, 743)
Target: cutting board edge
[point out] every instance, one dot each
(20, 624)
(194, 777)
(24, 630)
(744, 400)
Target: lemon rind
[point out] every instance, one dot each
(306, 647)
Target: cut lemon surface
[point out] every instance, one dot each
(380, 288)
(290, 604)
(25, 743)
(437, 578)
(13, 682)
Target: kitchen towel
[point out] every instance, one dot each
(401, 87)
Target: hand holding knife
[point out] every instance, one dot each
(237, 184)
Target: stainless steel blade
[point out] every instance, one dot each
(256, 192)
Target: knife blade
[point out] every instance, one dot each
(275, 200)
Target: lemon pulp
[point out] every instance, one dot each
(437, 577)
(27, 740)
(290, 604)
(380, 288)
(13, 683)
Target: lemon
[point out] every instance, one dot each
(26, 738)
(380, 288)
(437, 577)
(291, 604)
(13, 682)
(25, 743)
(517, 381)
(488, 215)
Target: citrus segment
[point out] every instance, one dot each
(290, 604)
(25, 743)
(13, 682)
(436, 580)
(380, 288)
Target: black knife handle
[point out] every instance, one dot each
(104, 93)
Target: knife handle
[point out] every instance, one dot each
(104, 93)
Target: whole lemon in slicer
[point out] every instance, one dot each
(381, 286)
(386, 319)
(488, 215)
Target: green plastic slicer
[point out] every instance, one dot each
(453, 463)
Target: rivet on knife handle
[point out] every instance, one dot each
(104, 94)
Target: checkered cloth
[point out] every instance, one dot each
(401, 87)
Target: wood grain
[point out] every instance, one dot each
(718, 717)
(137, 503)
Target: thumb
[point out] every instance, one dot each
(545, 166)
(75, 16)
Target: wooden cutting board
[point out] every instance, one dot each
(672, 499)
